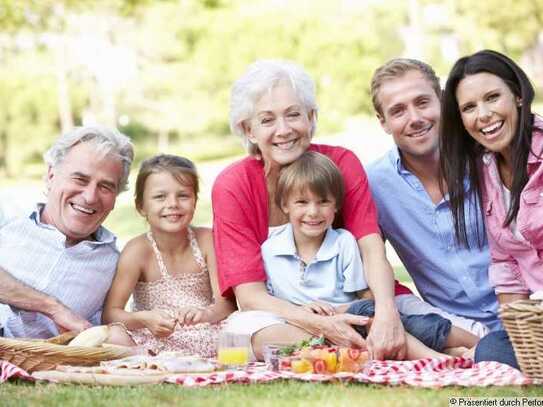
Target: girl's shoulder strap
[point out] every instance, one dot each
(161, 266)
(196, 251)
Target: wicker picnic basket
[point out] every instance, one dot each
(33, 355)
(523, 321)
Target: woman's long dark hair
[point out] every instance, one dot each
(460, 154)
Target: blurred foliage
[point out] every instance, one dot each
(161, 70)
(507, 25)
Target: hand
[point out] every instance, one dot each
(386, 339)
(320, 308)
(67, 320)
(191, 315)
(159, 322)
(338, 330)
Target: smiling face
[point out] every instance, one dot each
(411, 113)
(280, 126)
(168, 205)
(309, 214)
(489, 110)
(81, 192)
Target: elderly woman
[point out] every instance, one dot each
(273, 109)
(492, 137)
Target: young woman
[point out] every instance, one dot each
(490, 135)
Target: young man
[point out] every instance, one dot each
(414, 213)
(56, 265)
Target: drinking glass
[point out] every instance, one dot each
(271, 353)
(233, 349)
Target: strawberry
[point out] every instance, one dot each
(284, 363)
(319, 366)
(354, 353)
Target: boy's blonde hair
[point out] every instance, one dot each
(312, 171)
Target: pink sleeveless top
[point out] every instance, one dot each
(175, 291)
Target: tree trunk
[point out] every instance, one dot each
(64, 104)
(4, 152)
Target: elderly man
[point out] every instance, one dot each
(56, 265)
(414, 214)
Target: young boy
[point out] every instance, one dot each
(319, 268)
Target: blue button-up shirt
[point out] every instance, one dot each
(446, 275)
(78, 276)
(333, 276)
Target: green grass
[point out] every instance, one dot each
(289, 393)
(401, 274)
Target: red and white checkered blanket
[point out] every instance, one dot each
(7, 371)
(437, 372)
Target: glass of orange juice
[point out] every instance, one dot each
(233, 349)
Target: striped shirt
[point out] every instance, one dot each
(78, 276)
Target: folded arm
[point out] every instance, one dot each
(504, 274)
(17, 294)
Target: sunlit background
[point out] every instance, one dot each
(160, 71)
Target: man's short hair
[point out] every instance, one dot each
(314, 172)
(107, 142)
(396, 68)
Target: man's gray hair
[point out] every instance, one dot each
(261, 77)
(107, 142)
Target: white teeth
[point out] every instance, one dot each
(491, 128)
(286, 145)
(421, 132)
(83, 209)
(172, 216)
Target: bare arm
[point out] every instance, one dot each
(18, 294)
(386, 338)
(336, 328)
(129, 269)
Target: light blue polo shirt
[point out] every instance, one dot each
(333, 276)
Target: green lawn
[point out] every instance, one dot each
(275, 394)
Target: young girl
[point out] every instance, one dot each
(319, 268)
(170, 269)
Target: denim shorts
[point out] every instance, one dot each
(430, 329)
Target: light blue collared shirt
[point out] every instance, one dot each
(333, 276)
(422, 233)
(78, 276)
